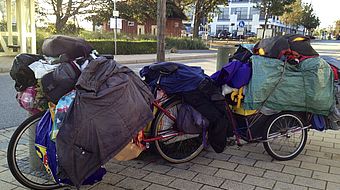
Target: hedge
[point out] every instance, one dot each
(124, 47)
(185, 43)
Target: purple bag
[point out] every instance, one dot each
(191, 121)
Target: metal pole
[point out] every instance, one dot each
(115, 29)
(223, 55)
(161, 23)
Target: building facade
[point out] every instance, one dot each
(243, 16)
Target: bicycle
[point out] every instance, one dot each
(172, 145)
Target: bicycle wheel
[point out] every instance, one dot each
(179, 148)
(23, 160)
(285, 137)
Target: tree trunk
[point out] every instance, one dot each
(198, 17)
(265, 25)
(60, 24)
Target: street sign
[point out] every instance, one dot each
(241, 24)
(115, 13)
(113, 23)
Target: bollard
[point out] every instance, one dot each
(223, 55)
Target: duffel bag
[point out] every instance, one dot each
(21, 73)
(73, 47)
(61, 81)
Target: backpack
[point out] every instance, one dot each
(21, 73)
(291, 47)
(60, 82)
(72, 47)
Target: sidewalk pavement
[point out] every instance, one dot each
(6, 62)
(237, 168)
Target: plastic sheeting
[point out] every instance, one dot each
(307, 86)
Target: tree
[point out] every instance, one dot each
(273, 8)
(309, 20)
(294, 14)
(66, 9)
(202, 10)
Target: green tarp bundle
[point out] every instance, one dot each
(306, 87)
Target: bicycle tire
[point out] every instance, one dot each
(12, 158)
(169, 155)
(289, 119)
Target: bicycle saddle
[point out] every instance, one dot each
(164, 68)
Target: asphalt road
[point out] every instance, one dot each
(12, 115)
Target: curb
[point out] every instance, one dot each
(168, 59)
(5, 70)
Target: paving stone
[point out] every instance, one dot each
(257, 156)
(321, 143)
(159, 178)
(331, 140)
(259, 181)
(5, 185)
(328, 162)
(183, 166)
(157, 168)
(317, 167)
(330, 150)
(114, 168)
(244, 161)
(256, 149)
(261, 188)
(135, 163)
(203, 169)
(207, 187)
(202, 160)
(309, 182)
(180, 173)
(269, 165)
(208, 180)
(305, 158)
(223, 164)
(112, 178)
(297, 171)
(7, 176)
(323, 134)
(102, 186)
(217, 156)
(334, 170)
(135, 184)
(158, 187)
(312, 147)
(235, 152)
(185, 185)
(326, 176)
(227, 174)
(336, 157)
(233, 185)
(278, 176)
(287, 186)
(336, 145)
(250, 170)
(134, 172)
(319, 154)
(333, 186)
(294, 163)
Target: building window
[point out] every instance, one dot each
(130, 23)
(254, 11)
(241, 12)
(224, 14)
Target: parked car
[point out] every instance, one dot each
(223, 34)
(249, 34)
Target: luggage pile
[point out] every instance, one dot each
(282, 73)
(88, 99)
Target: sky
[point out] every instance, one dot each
(328, 11)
